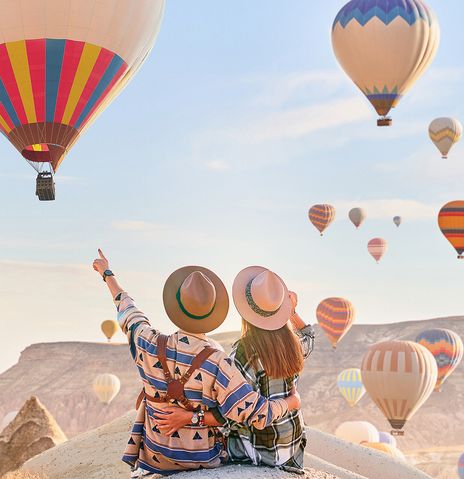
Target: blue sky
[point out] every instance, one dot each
(238, 122)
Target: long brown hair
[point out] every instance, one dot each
(279, 351)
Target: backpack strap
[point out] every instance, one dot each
(162, 345)
(197, 362)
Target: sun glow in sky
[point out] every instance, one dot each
(238, 122)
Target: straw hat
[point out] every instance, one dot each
(262, 298)
(195, 299)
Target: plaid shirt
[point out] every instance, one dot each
(282, 443)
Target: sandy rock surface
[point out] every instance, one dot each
(33, 431)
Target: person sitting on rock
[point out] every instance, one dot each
(270, 354)
(184, 369)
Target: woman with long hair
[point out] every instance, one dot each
(270, 355)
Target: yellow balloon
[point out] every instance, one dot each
(106, 387)
(110, 328)
(385, 448)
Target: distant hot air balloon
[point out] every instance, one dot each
(403, 33)
(321, 216)
(7, 419)
(388, 449)
(357, 216)
(399, 376)
(109, 328)
(377, 247)
(447, 349)
(106, 387)
(451, 224)
(357, 432)
(461, 467)
(387, 438)
(335, 317)
(397, 220)
(61, 63)
(445, 132)
(350, 385)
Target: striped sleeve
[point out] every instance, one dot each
(238, 401)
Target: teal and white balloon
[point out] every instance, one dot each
(350, 385)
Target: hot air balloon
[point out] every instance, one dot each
(404, 34)
(461, 467)
(335, 317)
(451, 224)
(387, 438)
(109, 328)
(388, 449)
(106, 387)
(447, 349)
(321, 216)
(377, 247)
(357, 216)
(445, 132)
(397, 220)
(350, 385)
(61, 63)
(399, 376)
(357, 432)
(7, 419)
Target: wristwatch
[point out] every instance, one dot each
(195, 419)
(201, 418)
(107, 273)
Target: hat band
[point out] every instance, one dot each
(190, 315)
(254, 306)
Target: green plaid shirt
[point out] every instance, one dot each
(282, 443)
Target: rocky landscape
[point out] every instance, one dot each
(61, 374)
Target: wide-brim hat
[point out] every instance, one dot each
(261, 297)
(195, 299)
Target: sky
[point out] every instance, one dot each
(239, 121)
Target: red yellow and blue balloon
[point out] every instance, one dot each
(404, 34)
(350, 385)
(447, 349)
(321, 216)
(451, 224)
(335, 316)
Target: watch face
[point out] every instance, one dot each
(195, 418)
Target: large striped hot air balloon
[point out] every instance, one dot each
(61, 63)
(321, 216)
(350, 385)
(106, 387)
(399, 376)
(357, 216)
(335, 317)
(461, 467)
(377, 248)
(451, 223)
(447, 349)
(404, 34)
(445, 132)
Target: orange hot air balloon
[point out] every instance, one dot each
(377, 248)
(451, 223)
(109, 328)
(321, 216)
(399, 376)
(61, 63)
(386, 449)
(335, 317)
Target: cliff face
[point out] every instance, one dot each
(32, 432)
(61, 375)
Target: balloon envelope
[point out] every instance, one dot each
(397, 220)
(451, 224)
(403, 33)
(357, 432)
(321, 216)
(387, 438)
(445, 132)
(350, 385)
(109, 328)
(447, 349)
(377, 248)
(335, 317)
(106, 387)
(461, 467)
(399, 376)
(388, 449)
(357, 216)
(61, 62)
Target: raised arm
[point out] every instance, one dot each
(101, 266)
(304, 331)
